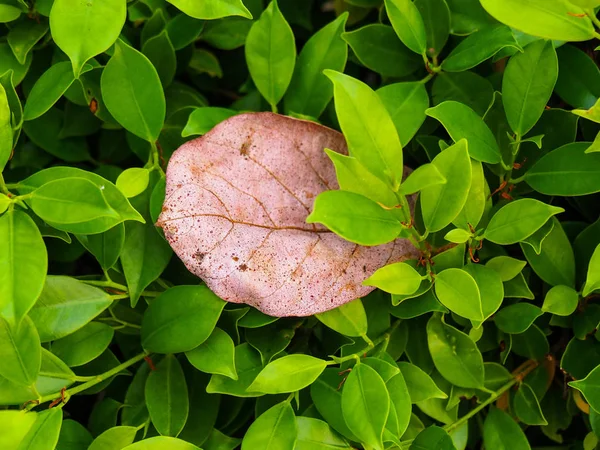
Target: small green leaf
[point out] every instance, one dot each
(517, 318)
(159, 50)
(204, 119)
(161, 443)
(458, 291)
(365, 405)
(490, 288)
(398, 278)
(442, 203)
(248, 364)
(458, 236)
(475, 204)
(115, 438)
(133, 181)
(167, 397)
(84, 29)
(436, 17)
(288, 374)
(423, 177)
(527, 408)
(500, 431)
(592, 281)
(454, 354)
(44, 432)
(590, 388)
(349, 319)
(433, 437)
(531, 344)
(132, 92)
(420, 385)
(215, 355)
(518, 220)
(561, 301)
(536, 240)
(180, 319)
(20, 351)
(84, 345)
(506, 266)
(6, 132)
(274, 429)
(107, 246)
(355, 218)
(314, 434)
(271, 54)
(408, 24)
(527, 85)
(462, 122)
(212, 9)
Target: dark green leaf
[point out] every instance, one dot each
(274, 429)
(517, 318)
(501, 432)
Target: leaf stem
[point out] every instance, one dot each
(3, 187)
(381, 338)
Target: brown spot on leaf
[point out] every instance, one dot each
(242, 267)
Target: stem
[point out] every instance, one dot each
(274, 108)
(592, 15)
(427, 78)
(384, 336)
(97, 379)
(3, 187)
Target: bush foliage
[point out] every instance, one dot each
(488, 337)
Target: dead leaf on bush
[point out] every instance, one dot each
(235, 212)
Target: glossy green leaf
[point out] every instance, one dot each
(527, 407)
(161, 442)
(490, 288)
(132, 92)
(527, 85)
(180, 319)
(478, 47)
(6, 132)
(20, 351)
(43, 435)
(9, 12)
(578, 77)
(288, 374)
(441, 204)
(212, 9)
(454, 354)
(518, 220)
(566, 171)
(378, 48)
(84, 345)
(107, 246)
(558, 20)
(400, 404)
(310, 91)
(248, 364)
(349, 319)
(531, 344)
(398, 278)
(406, 104)
(457, 290)
(590, 388)
(274, 429)
(167, 397)
(204, 119)
(271, 54)
(458, 236)
(408, 24)
(436, 17)
(355, 218)
(467, 87)
(159, 50)
(8, 61)
(475, 204)
(84, 29)
(66, 305)
(23, 265)
(215, 355)
(433, 437)
(561, 301)
(314, 434)
(365, 405)
(516, 318)
(133, 181)
(592, 281)
(536, 240)
(115, 438)
(420, 385)
(501, 432)
(423, 177)
(506, 266)
(462, 122)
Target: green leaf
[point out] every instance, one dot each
(458, 236)
(436, 17)
(271, 54)
(8, 61)
(501, 432)
(212, 9)
(355, 218)
(161, 443)
(468, 88)
(518, 220)
(132, 92)
(84, 29)
(43, 435)
(20, 351)
(527, 85)
(159, 50)
(592, 281)
(408, 24)
(107, 246)
(398, 278)
(578, 77)
(531, 344)
(406, 103)
(314, 434)
(518, 288)
(115, 438)
(462, 122)
(215, 355)
(310, 91)
(183, 30)
(24, 263)
(275, 429)
(423, 177)
(8, 13)
(180, 319)
(566, 171)
(442, 203)
(144, 256)
(400, 403)
(433, 437)
(590, 388)
(536, 240)
(517, 318)
(6, 132)
(206, 62)
(559, 20)
(527, 407)
(454, 354)
(288, 374)
(349, 319)
(248, 364)
(457, 290)
(167, 397)
(84, 345)
(475, 204)
(555, 264)
(204, 119)
(420, 385)
(133, 181)
(15, 425)
(365, 405)
(66, 305)
(378, 48)
(561, 301)
(368, 128)
(478, 47)
(490, 288)
(507, 267)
